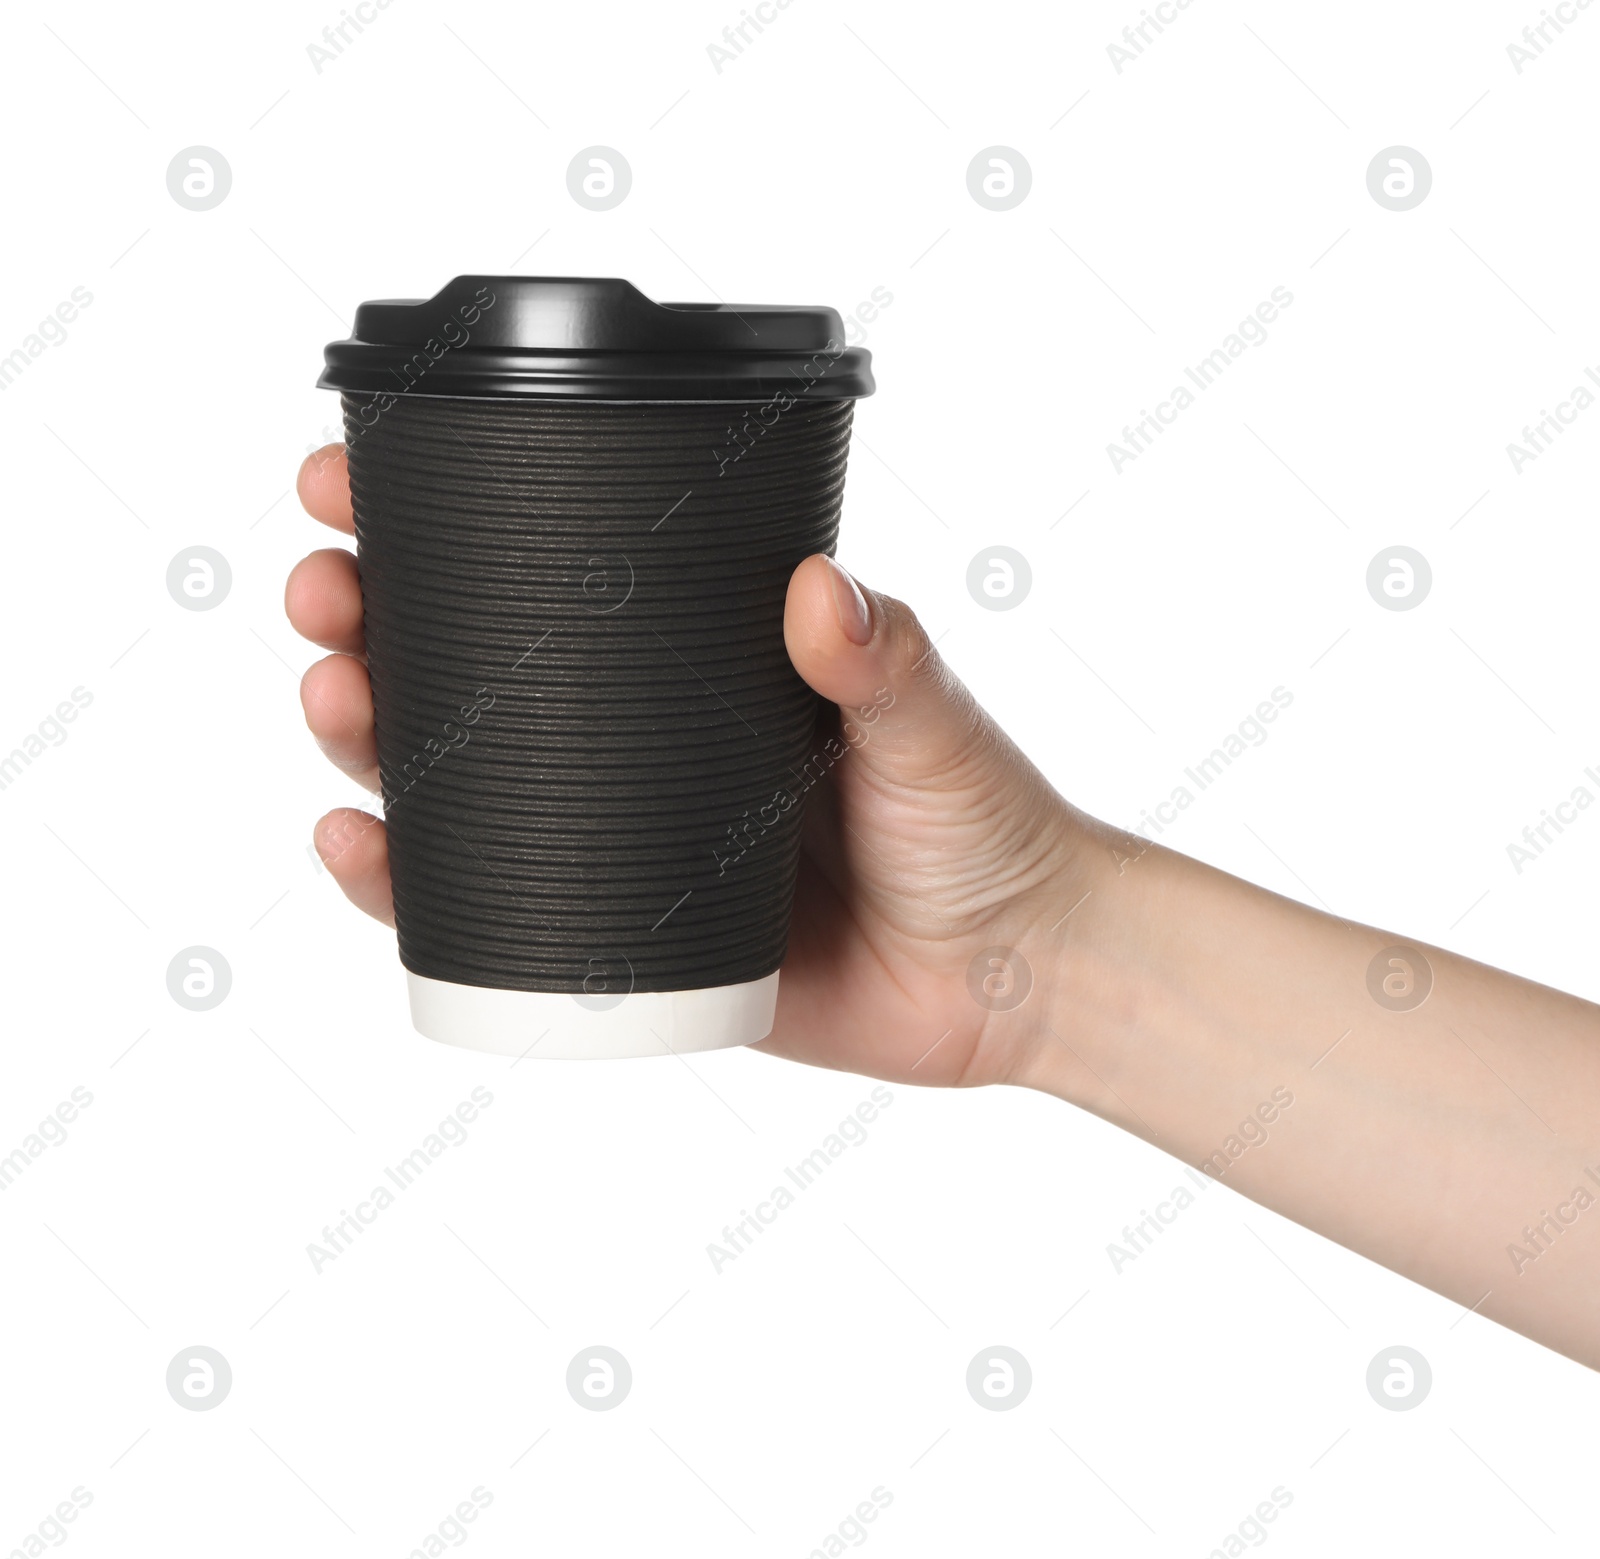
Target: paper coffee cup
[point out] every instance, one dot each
(577, 512)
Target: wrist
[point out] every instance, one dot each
(1092, 945)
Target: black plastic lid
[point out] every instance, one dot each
(591, 338)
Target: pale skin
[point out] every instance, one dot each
(1448, 1142)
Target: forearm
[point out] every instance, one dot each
(1452, 1142)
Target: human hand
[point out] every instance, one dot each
(931, 841)
(1168, 997)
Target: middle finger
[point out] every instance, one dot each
(323, 601)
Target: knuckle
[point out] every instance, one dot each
(913, 652)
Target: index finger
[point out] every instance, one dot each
(324, 487)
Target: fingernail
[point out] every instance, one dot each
(329, 845)
(855, 616)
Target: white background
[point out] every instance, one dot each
(827, 160)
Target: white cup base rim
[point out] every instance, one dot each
(554, 1026)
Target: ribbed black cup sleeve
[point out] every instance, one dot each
(593, 749)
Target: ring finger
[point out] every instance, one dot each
(337, 698)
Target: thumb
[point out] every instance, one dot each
(867, 653)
